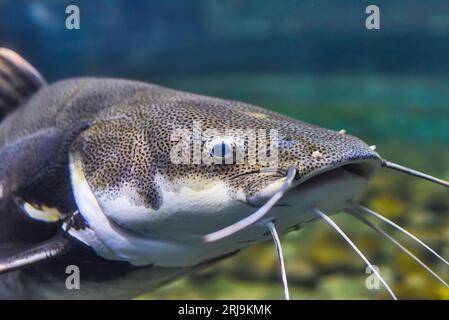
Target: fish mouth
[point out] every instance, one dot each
(359, 169)
(329, 188)
(366, 169)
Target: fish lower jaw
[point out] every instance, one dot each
(154, 252)
(114, 243)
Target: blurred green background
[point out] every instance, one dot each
(312, 60)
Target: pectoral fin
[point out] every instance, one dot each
(16, 256)
(29, 167)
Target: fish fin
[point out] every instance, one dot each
(23, 160)
(19, 80)
(16, 256)
(31, 174)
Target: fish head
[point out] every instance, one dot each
(189, 165)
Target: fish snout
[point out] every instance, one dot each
(322, 164)
(322, 150)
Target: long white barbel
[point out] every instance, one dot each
(277, 243)
(393, 240)
(357, 250)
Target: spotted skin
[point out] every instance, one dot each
(121, 130)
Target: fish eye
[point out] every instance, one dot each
(223, 152)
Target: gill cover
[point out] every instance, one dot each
(109, 239)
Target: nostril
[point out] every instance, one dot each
(317, 155)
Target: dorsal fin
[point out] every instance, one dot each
(18, 81)
(13, 257)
